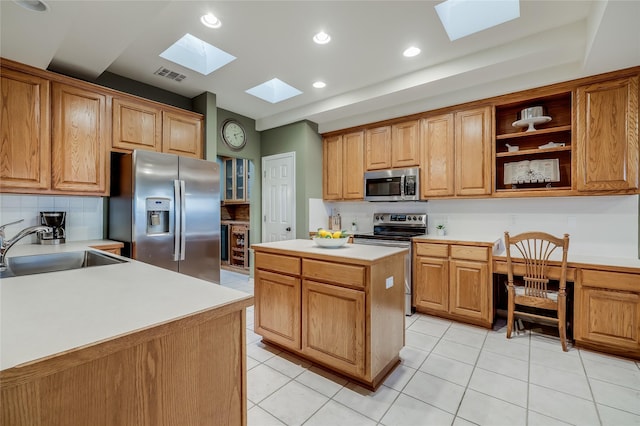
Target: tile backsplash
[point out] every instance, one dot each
(85, 215)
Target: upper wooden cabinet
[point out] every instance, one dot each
(343, 167)
(25, 132)
(405, 144)
(79, 140)
(473, 151)
(607, 142)
(182, 133)
(456, 154)
(136, 125)
(377, 152)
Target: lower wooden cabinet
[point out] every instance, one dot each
(339, 313)
(607, 311)
(453, 281)
(114, 248)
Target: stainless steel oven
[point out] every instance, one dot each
(397, 230)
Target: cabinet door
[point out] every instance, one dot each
(405, 144)
(332, 168)
(473, 151)
(239, 180)
(277, 309)
(610, 318)
(182, 134)
(80, 140)
(333, 326)
(469, 289)
(438, 148)
(607, 129)
(353, 166)
(136, 125)
(378, 148)
(431, 286)
(25, 144)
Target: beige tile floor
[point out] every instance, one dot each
(451, 374)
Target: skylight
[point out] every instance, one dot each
(274, 91)
(198, 55)
(464, 17)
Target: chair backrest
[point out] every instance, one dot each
(535, 249)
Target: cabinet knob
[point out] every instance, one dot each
(288, 229)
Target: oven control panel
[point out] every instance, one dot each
(400, 218)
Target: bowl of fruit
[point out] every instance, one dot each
(330, 239)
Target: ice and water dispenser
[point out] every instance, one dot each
(158, 215)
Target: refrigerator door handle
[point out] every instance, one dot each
(183, 221)
(178, 220)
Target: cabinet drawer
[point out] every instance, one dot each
(432, 250)
(470, 253)
(348, 275)
(610, 280)
(275, 262)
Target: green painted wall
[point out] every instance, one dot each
(205, 104)
(303, 139)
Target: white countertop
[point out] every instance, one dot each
(351, 251)
(45, 314)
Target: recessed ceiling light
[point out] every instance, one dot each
(35, 5)
(319, 84)
(198, 55)
(322, 38)
(210, 20)
(411, 52)
(274, 91)
(464, 17)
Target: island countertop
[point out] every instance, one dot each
(43, 315)
(356, 253)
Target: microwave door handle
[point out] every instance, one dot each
(402, 184)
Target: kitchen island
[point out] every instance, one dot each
(127, 343)
(342, 308)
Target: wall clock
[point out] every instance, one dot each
(233, 134)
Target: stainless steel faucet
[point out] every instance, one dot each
(5, 244)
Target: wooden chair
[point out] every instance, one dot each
(535, 249)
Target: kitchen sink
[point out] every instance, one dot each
(52, 262)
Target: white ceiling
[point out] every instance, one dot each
(367, 77)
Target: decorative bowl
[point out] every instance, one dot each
(330, 242)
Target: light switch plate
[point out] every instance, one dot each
(389, 282)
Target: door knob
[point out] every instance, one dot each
(288, 229)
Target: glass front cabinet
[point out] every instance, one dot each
(236, 180)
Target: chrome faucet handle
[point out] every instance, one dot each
(10, 223)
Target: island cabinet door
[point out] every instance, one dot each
(469, 289)
(277, 308)
(431, 290)
(333, 326)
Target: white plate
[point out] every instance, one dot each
(330, 242)
(531, 122)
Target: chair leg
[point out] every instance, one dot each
(562, 320)
(510, 310)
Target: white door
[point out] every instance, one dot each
(279, 197)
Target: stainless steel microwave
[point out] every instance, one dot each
(392, 185)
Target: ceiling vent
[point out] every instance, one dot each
(172, 75)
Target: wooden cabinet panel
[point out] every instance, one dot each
(25, 132)
(610, 318)
(470, 253)
(336, 273)
(378, 148)
(437, 156)
(607, 128)
(353, 166)
(405, 146)
(433, 250)
(333, 326)
(79, 144)
(182, 134)
(277, 308)
(278, 263)
(136, 125)
(469, 289)
(332, 168)
(473, 151)
(431, 287)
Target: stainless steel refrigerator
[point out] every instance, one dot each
(166, 210)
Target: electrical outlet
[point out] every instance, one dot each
(513, 219)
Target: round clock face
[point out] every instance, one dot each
(233, 134)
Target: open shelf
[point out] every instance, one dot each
(558, 130)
